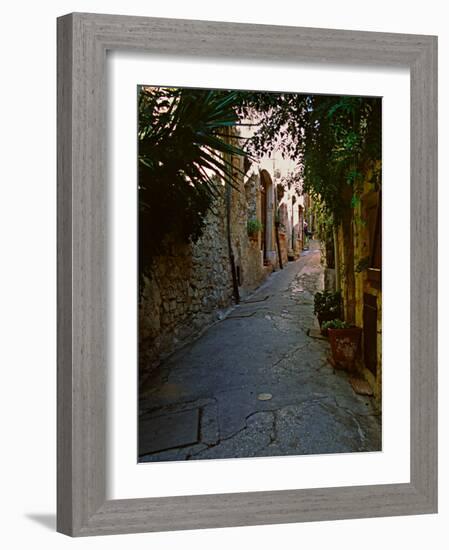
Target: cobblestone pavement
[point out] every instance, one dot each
(255, 384)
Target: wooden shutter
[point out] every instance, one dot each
(373, 213)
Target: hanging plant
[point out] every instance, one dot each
(253, 227)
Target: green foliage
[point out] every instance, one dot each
(253, 226)
(327, 304)
(293, 179)
(333, 137)
(335, 323)
(362, 264)
(324, 221)
(355, 201)
(184, 152)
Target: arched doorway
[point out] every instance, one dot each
(266, 210)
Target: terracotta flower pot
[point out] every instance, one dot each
(344, 345)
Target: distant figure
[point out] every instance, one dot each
(306, 236)
(307, 233)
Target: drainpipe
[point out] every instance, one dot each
(336, 259)
(276, 224)
(235, 284)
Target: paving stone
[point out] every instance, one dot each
(254, 436)
(316, 333)
(361, 386)
(209, 428)
(264, 396)
(169, 431)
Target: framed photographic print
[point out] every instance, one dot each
(247, 283)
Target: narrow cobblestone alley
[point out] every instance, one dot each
(256, 384)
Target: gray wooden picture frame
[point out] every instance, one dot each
(83, 40)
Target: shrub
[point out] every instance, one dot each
(335, 323)
(327, 305)
(253, 226)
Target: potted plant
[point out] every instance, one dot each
(327, 306)
(344, 340)
(253, 227)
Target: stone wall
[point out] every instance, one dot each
(185, 291)
(245, 205)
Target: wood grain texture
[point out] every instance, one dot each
(64, 277)
(83, 40)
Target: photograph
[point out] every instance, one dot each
(259, 274)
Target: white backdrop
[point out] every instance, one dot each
(129, 480)
(27, 288)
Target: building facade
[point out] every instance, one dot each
(354, 266)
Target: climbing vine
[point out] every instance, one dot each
(333, 138)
